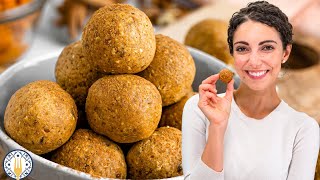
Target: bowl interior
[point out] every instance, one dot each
(25, 72)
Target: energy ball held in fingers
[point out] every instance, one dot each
(225, 75)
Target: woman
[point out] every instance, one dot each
(250, 133)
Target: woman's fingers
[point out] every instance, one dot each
(207, 87)
(229, 92)
(211, 79)
(208, 91)
(211, 96)
(208, 98)
(209, 84)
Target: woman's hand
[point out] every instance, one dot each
(216, 109)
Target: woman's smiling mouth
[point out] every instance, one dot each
(257, 74)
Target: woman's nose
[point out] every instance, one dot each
(255, 60)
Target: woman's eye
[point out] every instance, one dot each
(241, 49)
(267, 48)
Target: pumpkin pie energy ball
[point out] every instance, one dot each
(172, 70)
(225, 75)
(156, 157)
(74, 73)
(40, 116)
(125, 108)
(210, 36)
(89, 152)
(119, 39)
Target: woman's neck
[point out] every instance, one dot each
(256, 104)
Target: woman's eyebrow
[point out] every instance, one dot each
(267, 41)
(241, 42)
(260, 43)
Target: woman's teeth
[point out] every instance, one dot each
(257, 74)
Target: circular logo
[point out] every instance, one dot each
(17, 164)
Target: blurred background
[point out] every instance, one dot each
(36, 27)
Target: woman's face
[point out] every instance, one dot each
(258, 54)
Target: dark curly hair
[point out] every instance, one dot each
(263, 12)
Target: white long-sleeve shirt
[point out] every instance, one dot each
(282, 146)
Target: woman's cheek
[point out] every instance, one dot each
(239, 61)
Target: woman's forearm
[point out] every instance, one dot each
(213, 152)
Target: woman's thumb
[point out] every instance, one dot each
(229, 92)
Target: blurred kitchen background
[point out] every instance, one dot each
(61, 21)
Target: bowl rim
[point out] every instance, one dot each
(63, 169)
(21, 11)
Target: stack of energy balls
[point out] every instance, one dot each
(113, 87)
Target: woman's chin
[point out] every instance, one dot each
(259, 87)
(254, 86)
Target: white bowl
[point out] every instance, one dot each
(42, 68)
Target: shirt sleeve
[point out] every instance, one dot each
(193, 143)
(305, 151)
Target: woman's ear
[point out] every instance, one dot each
(286, 53)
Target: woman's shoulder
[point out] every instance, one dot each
(301, 119)
(304, 126)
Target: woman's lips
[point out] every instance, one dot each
(257, 74)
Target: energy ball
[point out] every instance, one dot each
(225, 75)
(125, 108)
(172, 70)
(156, 157)
(172, 115)
(119, 39)
(40, 116)
(94, 154)
(74, 73)
(210, 36)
